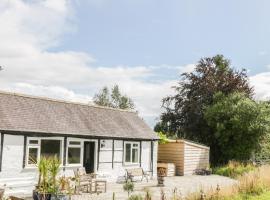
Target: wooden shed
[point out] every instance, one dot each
(186, 155)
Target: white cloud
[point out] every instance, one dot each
(261, 84)
(29, 28)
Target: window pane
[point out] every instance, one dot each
(75, 143)
(32, 157)
(50, 148)
(33, 141)
(135, 145)
(128, 152)
(135, 155)
(74, 155)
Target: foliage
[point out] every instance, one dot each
(113, 99)
(135, 197)
(263, 153)
(184, 116)
(48, 170)
(148, 195)
(128, 187)
(234, 169)
(54, 168)
(238, 124)
(252, 185)
(162, 138)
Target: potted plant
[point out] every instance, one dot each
(64, 188)
(47, 187)
(44, 186)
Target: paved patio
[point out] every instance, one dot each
(184, 184)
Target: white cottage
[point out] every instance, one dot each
(103, 140)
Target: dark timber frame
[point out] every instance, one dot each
(112, 153)
(65, 136)
(65, 151)
(1, 153)
(24, 150)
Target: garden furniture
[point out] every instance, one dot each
(136, 172)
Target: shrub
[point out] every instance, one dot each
(234, 169)
(128, 187)
(135, 197)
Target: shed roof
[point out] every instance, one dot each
(189, 142)
(26, 113)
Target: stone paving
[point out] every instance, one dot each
(184, 184)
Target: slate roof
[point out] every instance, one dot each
(42, 115)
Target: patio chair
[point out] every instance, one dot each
(85, 181)
(2, 191)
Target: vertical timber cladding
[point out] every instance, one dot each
(1, 153)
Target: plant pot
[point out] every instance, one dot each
(160, 181)
(59, 197)
(63, 197)
(42, 196)
(35, 195)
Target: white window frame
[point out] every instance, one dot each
(81, 146)
(131, 143)
(38, 146)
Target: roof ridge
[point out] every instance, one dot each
(63, 101)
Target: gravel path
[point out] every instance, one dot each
(184, 184)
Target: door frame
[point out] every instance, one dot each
(94, 154)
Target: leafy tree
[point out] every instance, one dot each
(162, 138)
(238, 123)
(113, 99)
(184, 111)
(263, 153)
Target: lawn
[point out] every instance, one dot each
(264, 196)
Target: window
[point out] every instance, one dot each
(33, 156)
(50, 148)
(131, 152)
(74, 152)
(42, 147)
(33, 152)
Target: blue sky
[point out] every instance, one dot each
(174, 32)
(70, 49)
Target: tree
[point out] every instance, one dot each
(238, 123)
(113, 99)
(184, 116)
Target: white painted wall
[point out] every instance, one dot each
(12, 161)
(155, 157)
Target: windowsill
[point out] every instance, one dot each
(131, 164)
(74, 165)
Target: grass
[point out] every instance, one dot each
(234, 169)
(254, 184)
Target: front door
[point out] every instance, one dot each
(89, 157)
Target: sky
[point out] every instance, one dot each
(70, 49)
